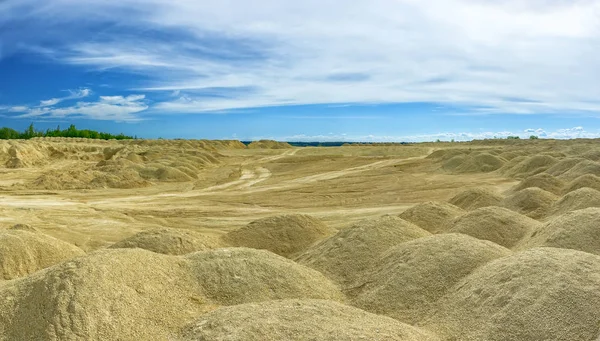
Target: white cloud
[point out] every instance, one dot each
(568, 133)
(115, 108)
(73, 94)
(504, 56)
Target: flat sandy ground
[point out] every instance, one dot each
(339, 185)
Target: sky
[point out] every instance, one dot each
(327, 70)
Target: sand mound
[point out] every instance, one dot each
(284, 235)
(544, 181)
(593, 155)
(432, 216)
(533, 202)
(475, 198)
(587, 180)
(576, 230)
(447, 154)
(169, 241)
(563, 165)
(301, 320)
(496, 224)
(412, 276)
(134, 294)
(239, 275)
(343, 256)
(582, 168)
(478, 163)
(269, 144)
(531, 166)
(24, 251)
(577, 200)
(541, 294)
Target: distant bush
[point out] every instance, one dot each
(533, 137)
(72, 131)
(513, 138)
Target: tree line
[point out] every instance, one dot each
(72, 131)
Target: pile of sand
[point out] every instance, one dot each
(475, 198)
(284, 235)
(587, 180)
(134, 294)
(530, 166)
(496, 224)
(563, 166)
(540, 294)
(432, 216)
(300, 320)
(269, 144)
(544, 181)
(576, 230)
(473, 163)
(169, 241)
(581, 168)
(345, 255)
(23, 251)
(593, 155)
(239, 275)
(533, 202)
(577, 200)
(410, 278)
(447, 154)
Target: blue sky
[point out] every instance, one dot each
(378, 70)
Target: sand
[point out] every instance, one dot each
(587, 180)
(544, 181)
(345, 255)
(170, 241)
(533, 202)
(432, 216)
(284, 235)
(496, 224)
(540, 294)
(577, 230)
(134, 294)
(408, 279)
(354, 223)
(302, 320)
(24, 251)
(475, 198)
(576, 200)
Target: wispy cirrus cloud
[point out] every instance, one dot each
(113, 108)
(73, 94)
(476, 54)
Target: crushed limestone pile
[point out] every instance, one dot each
(299, 320)
(475, 198)
(496, 224)
(577, 230)
(533, 202)
(23, 251)
(169, 241)
(410, 278)
(345, 255)
(541, 294)
(284, 235)
(432, 216)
